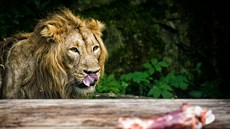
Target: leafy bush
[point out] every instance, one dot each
(150, 82)
(108, 84)
(206, 89)
(155, 82)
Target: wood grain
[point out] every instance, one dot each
(98, 113)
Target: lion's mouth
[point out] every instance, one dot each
(89, 80)
(82, 86)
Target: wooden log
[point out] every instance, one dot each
(99, 113)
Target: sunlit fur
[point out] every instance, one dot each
(38, 66)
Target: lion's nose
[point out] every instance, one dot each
(91, 71)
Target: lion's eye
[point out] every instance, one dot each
(95, 48)
(74, 49)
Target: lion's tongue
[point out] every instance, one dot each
(90, 79)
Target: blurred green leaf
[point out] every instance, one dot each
(154, 61)
(157, 67)
(154, 92)
(147, 66)
(167, 94)
(163, 64)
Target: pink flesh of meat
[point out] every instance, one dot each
(188, 117)
(90, 79)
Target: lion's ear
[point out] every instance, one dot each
(96, 26)
(52, 31)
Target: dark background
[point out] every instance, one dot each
(191, 36)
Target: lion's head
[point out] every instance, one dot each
(63, 58)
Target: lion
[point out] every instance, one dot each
(63, 57)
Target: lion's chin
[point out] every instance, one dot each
(80, 89)
(84, 91)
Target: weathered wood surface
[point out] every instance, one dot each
(98, 113)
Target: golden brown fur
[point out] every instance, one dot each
(53, 60)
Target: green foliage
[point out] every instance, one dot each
(146, 82)
(207, 89)
(165, 85)
(154, 65)
(156, 82)
(137, 77)
(108, 84)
